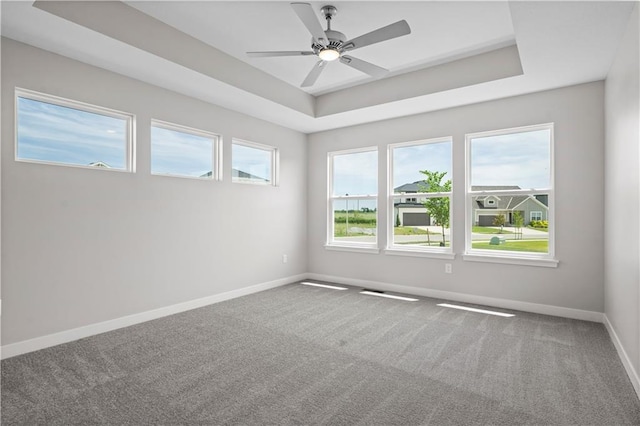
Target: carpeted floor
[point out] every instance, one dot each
(306, 355)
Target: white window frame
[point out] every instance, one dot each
(411, 250)
(538, 213)
(510, 257)
(332, 244)
(129, 163)
(275, 162)
(216, 148)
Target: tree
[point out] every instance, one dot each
(499, 221)
(437, 207)
(518, 222)
(397, 220)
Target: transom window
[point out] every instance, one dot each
(254, 163)
(353, 201)
(509, 201)
(182, 151)
(54, 130)
(420, 222)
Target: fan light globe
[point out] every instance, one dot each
(329, 54)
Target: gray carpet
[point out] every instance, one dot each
(304, 355)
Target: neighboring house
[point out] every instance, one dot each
(240, 175)
(408, 209)
(485, 209)
(100, 164)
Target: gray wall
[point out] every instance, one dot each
(579, 133)
(83, 246)
(622, 190)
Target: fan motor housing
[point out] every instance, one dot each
(336, 41)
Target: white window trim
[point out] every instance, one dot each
(535, 211)
(129, 164)
(510, 257)
(216, 148)
(275, 162)
(408, 250)
(331, 244)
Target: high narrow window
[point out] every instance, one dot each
(183, 151)
(419, 204)
(254, 163)
(353, 207)
(54, 130)
(510, 193)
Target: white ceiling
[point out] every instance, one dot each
(558, 44)
(238, 27)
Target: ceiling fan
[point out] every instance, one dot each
(330, 45)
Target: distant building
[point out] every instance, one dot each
(100, 164)
(240, 175)
(411, 212)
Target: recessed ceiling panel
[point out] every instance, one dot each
(440, 31)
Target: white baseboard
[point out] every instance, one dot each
(467, 298)
(631, 372)
(18, 348)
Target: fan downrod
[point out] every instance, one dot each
(329, 12)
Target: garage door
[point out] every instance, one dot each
(486, 220)
(415, 219)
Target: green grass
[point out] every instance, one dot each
(340, 229)
(408, 230)
(488, 230)
(539, 229)
(535, 246)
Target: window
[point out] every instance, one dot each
(254, 163)
(420, 223)
(514, 168)
(182, 151)
(353, 207)
(54, 130)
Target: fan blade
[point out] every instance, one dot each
(397, 29)
(365, 67)
(310, 20)
(278, 53)
(314, 74)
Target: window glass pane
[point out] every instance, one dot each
(410, 161)
(251, 164)
(175, 152)
(60, 134)
(355, 220)
(511, 223)
(355, 174)
(518, 160)
(422, 223)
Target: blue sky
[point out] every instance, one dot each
(252, 160)
(55, 133)
(521, 159)
(179, 153)
(409, 160)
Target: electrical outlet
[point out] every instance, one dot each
(285, 258)
(447, 268)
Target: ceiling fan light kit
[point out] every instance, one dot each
(329, 45)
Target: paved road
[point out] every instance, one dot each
(527, 234)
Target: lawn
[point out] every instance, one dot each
(364, 220)
(408, 230)
(537, 246)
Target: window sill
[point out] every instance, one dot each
(512, 260)
(396, 251)
(354, 248)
